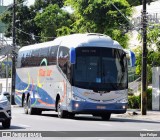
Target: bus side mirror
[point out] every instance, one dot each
(72, 55)
(132, 59)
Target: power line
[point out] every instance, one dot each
(121, 12)
(32, 35)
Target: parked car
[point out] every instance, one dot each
(5, 109)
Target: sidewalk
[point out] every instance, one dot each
(136, 114)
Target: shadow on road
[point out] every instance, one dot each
(116, 120)
(113, 119)
(12, 127)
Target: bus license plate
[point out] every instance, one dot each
(101, 107)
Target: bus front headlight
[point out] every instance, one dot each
(77, 98)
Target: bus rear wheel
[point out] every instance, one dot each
(61, 113)
(106, 117)
(71, 115)
(25, 105)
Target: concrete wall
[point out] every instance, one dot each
(3, 85)
(156, 88)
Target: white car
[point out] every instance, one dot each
(5, 109)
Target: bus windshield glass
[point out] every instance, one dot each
(101, 69)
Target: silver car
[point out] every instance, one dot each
(5, 109)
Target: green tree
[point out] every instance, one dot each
(27, 31)
(102, 17)
(153, 56)
(53, 22)
(42, 4)
(135, 2)
(47, 19)
(138, 2)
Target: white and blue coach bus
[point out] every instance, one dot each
(74, 74)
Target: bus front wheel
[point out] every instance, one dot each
(61, 113)
(31, 110)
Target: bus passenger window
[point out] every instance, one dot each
(35, 58)
(63, 59)
(25, 61)
(43, 54)
(52, 58)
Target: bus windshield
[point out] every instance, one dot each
(101, 69)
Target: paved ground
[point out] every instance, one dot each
(136, 114)
(118, 124)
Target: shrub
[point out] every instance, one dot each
(134, 102)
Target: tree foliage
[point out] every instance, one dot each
(47, 19)
(138, 2)
(24, 22)
(27, 31)
(153, 56)
(102, 17)
(53, 22)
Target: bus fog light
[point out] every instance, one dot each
(124, 107)
(76, 105)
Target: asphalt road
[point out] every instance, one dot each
(49, 121)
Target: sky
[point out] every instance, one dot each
(7, 2)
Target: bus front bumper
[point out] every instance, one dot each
(90, 107)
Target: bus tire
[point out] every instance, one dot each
(61, 113)
(38, 112)
(31, 110)
(25, 103)
(71, 115)
(106, 117)
(23, 98)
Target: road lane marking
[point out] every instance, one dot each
(105, 124)
(146, 130)
(23, 125)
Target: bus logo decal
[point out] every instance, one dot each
(43, 72)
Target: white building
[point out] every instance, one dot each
(153, 17)
(5, 85)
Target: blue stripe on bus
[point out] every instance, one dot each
(20, 85)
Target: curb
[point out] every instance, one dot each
(136, 114)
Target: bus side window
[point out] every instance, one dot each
(63, 59)
(43, 54)
(52, 58)
(25, 58)
(34, 61)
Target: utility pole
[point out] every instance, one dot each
(7, 74)
(13, 53)
(144, 62)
